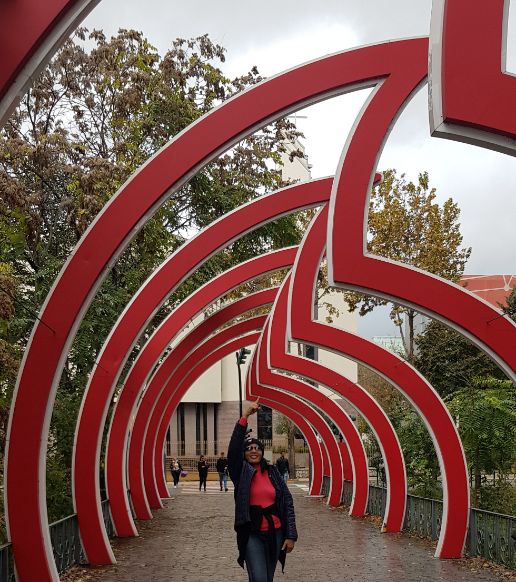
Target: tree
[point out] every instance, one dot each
(482, 401)
(98, 111)
(406, 224)
(450, 361)
(485, 413)
(510, 305)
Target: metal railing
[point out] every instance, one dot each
(66, 544)
(489, 534)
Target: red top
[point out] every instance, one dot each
(262, 491)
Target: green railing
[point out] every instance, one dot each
(66, 543)
(490, 535)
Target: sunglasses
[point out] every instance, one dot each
(252, 448)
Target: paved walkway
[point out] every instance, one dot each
(192, 539)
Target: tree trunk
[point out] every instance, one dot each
(411, 315)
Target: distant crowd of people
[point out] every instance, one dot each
(203, 468)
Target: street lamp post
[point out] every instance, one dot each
(241, 356)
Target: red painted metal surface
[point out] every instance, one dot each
(472, 95)
(137, 379)
(367, 407)
(31, 32)
(423, 397)
(117, 348)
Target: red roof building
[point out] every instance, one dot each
(493, 288)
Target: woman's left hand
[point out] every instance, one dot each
(288, 545)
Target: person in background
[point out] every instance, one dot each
(222, 470)
(265, 521)
(175, 469)
(202, 467)
(283, 467)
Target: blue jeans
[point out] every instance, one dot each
(223, 478)
(260, 567)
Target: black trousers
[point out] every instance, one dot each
(202, 480)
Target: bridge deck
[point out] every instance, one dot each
(192, 538)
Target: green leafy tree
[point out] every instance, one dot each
(98, 111)
(449, 361)
(485, 413)
(408, 225)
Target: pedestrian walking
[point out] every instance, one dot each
(283, 467)
(222, 470)
(175, 469)
(202, 467)
(265, 522)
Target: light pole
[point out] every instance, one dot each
(241, 355)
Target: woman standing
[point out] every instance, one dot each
(265, 522)
(202, 467)
(175, 469)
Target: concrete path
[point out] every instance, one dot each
(192, 539)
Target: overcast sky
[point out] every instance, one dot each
(277, 35)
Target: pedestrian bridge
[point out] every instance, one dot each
(192, 538)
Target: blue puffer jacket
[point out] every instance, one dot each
(241, 473)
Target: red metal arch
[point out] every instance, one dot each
(280, 360)
(175, 389)
(318, 452)
(133, 385)
(113, 229)
(423, 397)
(471, 93)
(255, 389)
(172, 369)
(266, 378)
(129, 327)
(351, 267)
(31, 32)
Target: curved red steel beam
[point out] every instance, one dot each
(198, 367)
(266, 376)
(351, 267)
(411, 384)
(136, 380)
(176, 368)
(111, 232)
(255, 389)
(31, 32)
(471, 94)
(145, 497)
(366, 405)
(129, 327)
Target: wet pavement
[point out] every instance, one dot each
(192, 539)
